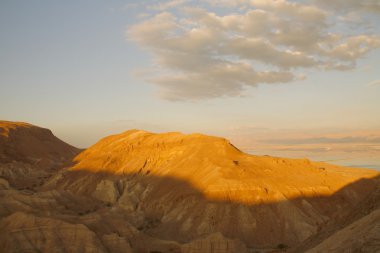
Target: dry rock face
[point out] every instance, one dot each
(28, 233)
(144, 192)
(106, 191)
(28, 152)
(214, 243)
(360, 236)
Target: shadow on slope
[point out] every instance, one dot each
(148, 212)
(172, 209)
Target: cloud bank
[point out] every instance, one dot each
(198, 53)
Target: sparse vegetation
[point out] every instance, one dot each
(282, 246)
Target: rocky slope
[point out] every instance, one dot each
(145, 192)
(359, 232)
(191, 186)
(360, 236)
(29, 153)
(23, 142)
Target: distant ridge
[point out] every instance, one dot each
(21, 141)
(28, 152)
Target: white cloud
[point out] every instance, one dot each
(374, 83)
(215, 80)
(202, 54)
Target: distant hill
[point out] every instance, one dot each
(28, 151)
(24, 142)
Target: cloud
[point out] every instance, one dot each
(372, 6)
(215, 80)
(200, 54)
(374, 83)
(168, 5)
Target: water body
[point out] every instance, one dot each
(360, 164)
(344, 159)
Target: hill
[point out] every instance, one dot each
(196, 185)
(144, 192)
(28, 151)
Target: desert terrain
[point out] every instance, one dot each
(157, 193)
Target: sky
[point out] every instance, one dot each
(279, 77)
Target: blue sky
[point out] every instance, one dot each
(86, 69)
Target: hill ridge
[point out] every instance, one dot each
(215, 166)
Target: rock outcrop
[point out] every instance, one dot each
(106, 191)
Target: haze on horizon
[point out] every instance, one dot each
(287, 78)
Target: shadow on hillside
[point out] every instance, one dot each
(173, 209)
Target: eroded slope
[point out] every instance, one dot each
(144, 192)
